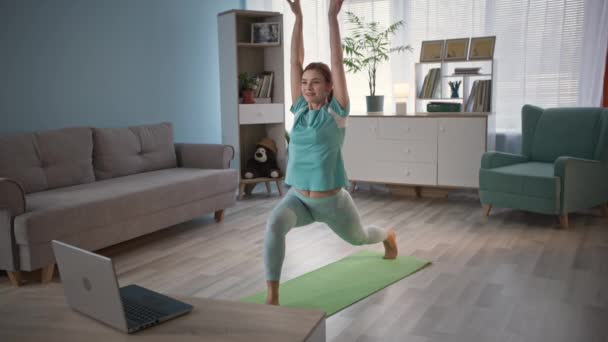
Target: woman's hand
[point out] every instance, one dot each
(334, 7)
(295, 7)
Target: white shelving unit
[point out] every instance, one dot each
(447, 74)
(243, 125)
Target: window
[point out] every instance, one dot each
(537, 54)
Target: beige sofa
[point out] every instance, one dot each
(95, 187)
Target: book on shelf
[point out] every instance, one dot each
(480, 98)
(264, 81)
(464, 71)
(431, 84)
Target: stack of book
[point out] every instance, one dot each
(464, 71)
(430, 87)
(480, 99)
(264, 82)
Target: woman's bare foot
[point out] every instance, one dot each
(272, 293)
(390, 245)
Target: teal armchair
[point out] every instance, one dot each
(562, 168)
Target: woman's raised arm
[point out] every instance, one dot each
(335, 45)
(297, 51)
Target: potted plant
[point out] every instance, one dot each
(248, 83)
(365, 49)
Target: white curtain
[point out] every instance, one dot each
(548, 53)
(595, 43)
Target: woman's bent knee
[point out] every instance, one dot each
(281, 221)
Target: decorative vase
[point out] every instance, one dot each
(455, 94)
(248, 97)
(375, 103)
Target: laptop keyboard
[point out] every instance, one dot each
(138, 313)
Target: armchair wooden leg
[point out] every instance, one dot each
(563, 220)
(14, 277)
(486, 209)
(219, 216)
(47, 273)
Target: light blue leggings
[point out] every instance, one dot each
(295, 210)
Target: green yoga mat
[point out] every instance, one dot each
(343, 283)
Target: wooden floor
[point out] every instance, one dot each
(511, 277)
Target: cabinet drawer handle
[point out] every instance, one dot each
(408, 151)
(407, 129)
(407, 172)
(442, 129)
(259, 114)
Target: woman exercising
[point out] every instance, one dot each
(315, 170)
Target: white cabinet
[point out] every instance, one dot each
(461, 143)
(415, 150)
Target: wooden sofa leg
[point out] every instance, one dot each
(47, 273)
(486, 209)
(14, 277)
(219, 216)
(604, 209)
(563, 220)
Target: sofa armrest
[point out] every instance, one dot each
(204, 156)
(12, 203)
(583, 182)
(493, 159)
(12, 196)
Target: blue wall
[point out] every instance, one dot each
(111, 63)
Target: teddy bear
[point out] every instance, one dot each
(264, 161)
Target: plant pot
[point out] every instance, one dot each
(248, 97)
(375, 103)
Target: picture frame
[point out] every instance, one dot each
(431, 51)
(456, 49)
(266, 33)
(482, 48)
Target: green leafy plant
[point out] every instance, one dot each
(368, 46)
(248, 81)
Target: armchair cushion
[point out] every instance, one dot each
(490, 160)
(565, 132)
(532, 179)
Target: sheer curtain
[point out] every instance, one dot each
(548, 53)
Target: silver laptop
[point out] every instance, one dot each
(91, 288)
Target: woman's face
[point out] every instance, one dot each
(315, 88)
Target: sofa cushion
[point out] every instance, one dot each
(67, 156)
(531, 179)
(19, 161)
(48, 159)
(126, 151)
(72, 210)
(566, 132)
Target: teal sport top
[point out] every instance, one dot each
(315, 147)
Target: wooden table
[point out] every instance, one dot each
(42, 314)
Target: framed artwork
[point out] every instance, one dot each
(431, 51)
(265, 33)
(482, 48)
(456, 49)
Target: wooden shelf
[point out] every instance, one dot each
(246, 185)
(466, 75)
(258, 45)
